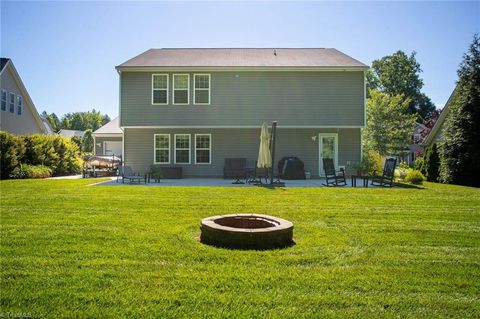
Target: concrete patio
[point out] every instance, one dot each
(224, 183)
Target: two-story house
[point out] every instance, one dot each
(195, 107)
(18, 114)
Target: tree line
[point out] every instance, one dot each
(80, 121)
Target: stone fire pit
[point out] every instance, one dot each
(246, 231)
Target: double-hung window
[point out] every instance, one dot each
(11, 102)
(201, 91)
(162, 149)
(182, 149)
(19, 104)
(181, 88)
(160, 89)
(203, 148)
(4, 100)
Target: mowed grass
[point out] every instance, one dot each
(72, 250)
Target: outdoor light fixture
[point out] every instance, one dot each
(314, 138)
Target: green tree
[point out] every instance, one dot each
(431, 163)
(460, 146)
(84, 120)
(399, 74)
(87, 142)
(389, 128)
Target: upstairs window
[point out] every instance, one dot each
(162, 149)
(11, 103)
(4, 100)
(182, 148)
(19, 104)
(203, 148)
(160, 89)
(181, 89)
(201, 92)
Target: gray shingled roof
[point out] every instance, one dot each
(111, 127)
(242, 58)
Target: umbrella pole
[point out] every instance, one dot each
(272, 144)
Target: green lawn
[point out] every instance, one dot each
(71, 250)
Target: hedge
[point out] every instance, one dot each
(57, 153)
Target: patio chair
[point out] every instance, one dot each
(386, 179)
(235, 168)
(126, 173)
(255, 175)
(333, 177)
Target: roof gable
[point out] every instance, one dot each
(28, 101)
(112, 127)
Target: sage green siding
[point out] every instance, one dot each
(12, 122)
(326, 98)
(228, 143)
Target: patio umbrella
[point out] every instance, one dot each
(264, 156)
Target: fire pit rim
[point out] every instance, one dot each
(281, 223)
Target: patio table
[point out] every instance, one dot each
(362, 177)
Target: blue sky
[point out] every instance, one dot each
(66, 52)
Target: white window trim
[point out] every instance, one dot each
(19, 105)
(155, 148)
(4, 93)
(174, 89)
(209, 149)
(182, 149)
(209, 88)
(9, 102)
(167, 89)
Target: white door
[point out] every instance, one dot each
(112, 148)
(328, 148)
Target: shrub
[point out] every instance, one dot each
(31, 171)
(414, 177)
(12, 149)
(371, 162)
(419, 164)
(402, 171)
(57, 153)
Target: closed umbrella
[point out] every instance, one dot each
(264, 156)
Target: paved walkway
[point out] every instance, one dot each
(225, 183)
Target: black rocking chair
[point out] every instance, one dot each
(386, 179)
(333, 177)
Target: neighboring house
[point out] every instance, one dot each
(195, 107)
(108, 139)
(71, 133)
(18, 114)
(48, 128)
(416, 147)
(435, 134)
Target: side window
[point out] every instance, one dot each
(182, 149)
(181, 88)
(160, 89)
(161, 149)
(203, 148)
(201, 92)
(4, 100)
(11, 103)
(19, 104)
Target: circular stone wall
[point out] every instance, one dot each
(246, 231)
